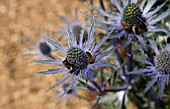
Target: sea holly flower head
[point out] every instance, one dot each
(132, 18)
(43, 49)
(79, 58)
(158, 69)
(75, 26)
(162, 61)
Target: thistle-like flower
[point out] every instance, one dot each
(75, 26)
(79, 58)
(158, 68)
(43, 49)
(132, 18)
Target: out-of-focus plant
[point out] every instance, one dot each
(42, 49)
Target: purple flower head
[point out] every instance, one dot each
(158, 69)
(75, 26)
(79, 58)
(132, 18)
(43, 49)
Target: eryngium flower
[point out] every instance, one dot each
(43, 49)
(75, 26)
(79, 59)
(159, 69)
(132, 19)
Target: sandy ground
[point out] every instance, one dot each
(21, 87)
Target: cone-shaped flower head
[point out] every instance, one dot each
(79, 57)
(44, 48)
(158, 69)
(132, 18)
(162, 62)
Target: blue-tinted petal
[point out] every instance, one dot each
(53, 71)
(151, 13)
(149, 74)
(30, 54)
(142, 60)
(100, 56)
(118, 35)
(125, 3)
(59, 82)
(72, 39)
(84, 74)
(72, 83)
(159, 30)
(150, 84)
(30, 49)
(141, 71)
(81, 38)
(62, 31)
(154, 46)
(102, 64)
(69, 23)
(76, 19)
(141, 40)
(115, 2)
(160, 17)
(134, 1)
(90, 74)
(29, 41)
(90, 36)
(105, 27)
(101, 11)
(54, 62)
(162, 85)
(148, 6)
(142, 5)
(101, 21)
(101, 42)
(57, 44)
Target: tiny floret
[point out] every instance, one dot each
(77, 58)
(162, 62)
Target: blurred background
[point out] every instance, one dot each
(21, 87)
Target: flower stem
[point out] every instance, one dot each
(129, 60)
(119, 58)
